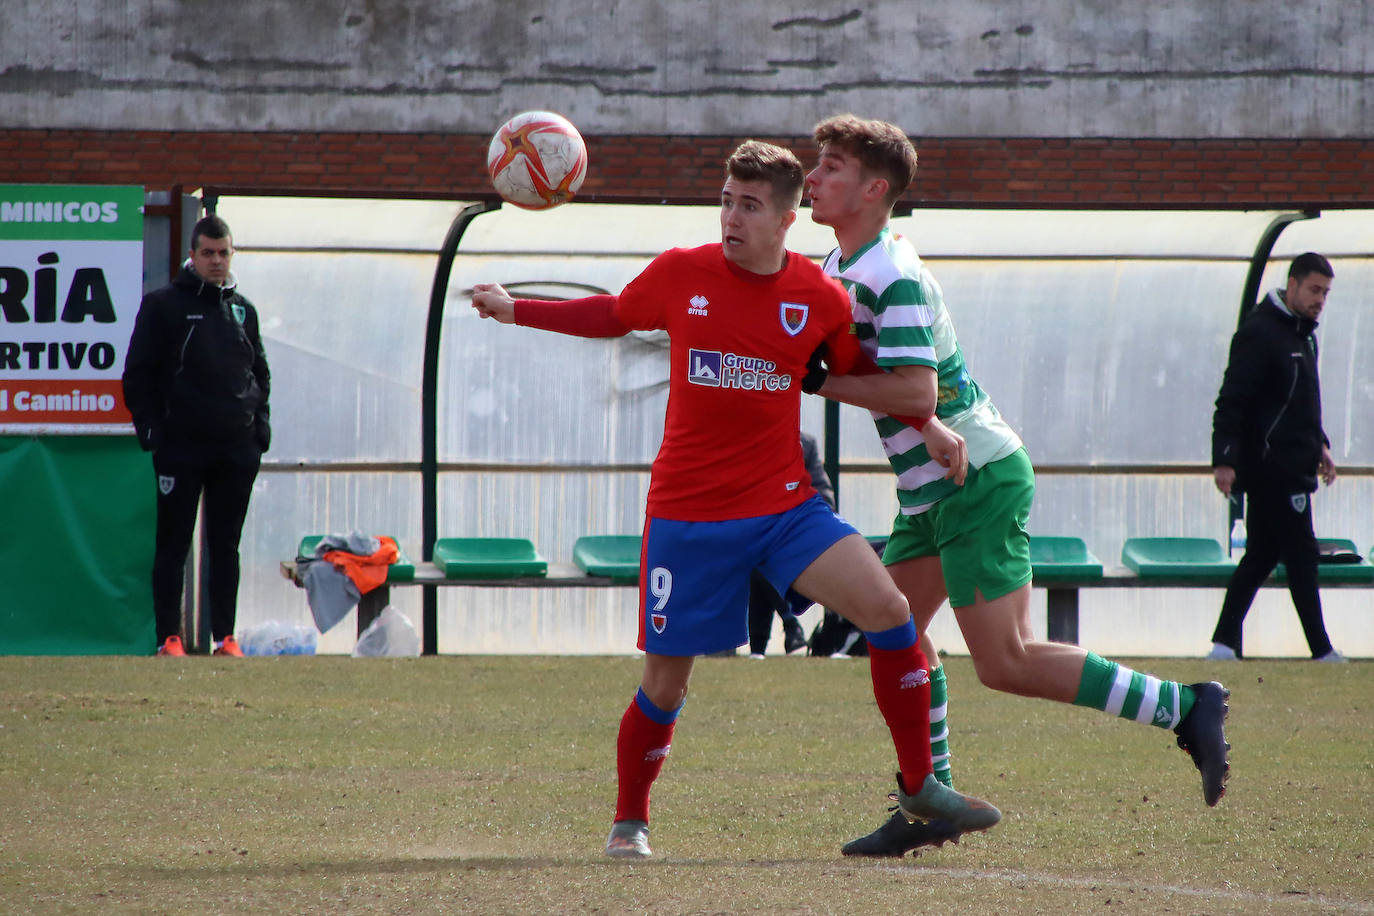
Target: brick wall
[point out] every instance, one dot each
(1053, 172)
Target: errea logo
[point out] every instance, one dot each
(697, 305)
(914, 679)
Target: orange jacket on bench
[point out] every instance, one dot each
(366, 572)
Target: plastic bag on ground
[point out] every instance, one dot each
(391, 634)
(276, 637)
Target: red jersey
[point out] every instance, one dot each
(739, 347)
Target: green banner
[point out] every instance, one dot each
(76, 549)
(39, 212)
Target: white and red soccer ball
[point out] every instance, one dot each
(537, 160)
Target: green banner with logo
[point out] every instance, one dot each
(76, 548)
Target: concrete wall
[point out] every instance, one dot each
(982, 68)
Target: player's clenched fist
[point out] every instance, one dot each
(492, 301)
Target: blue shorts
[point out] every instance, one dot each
(694, 595)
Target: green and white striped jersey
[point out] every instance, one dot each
(900, 320)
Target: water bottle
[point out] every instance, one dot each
(298, 640)
(1238, 537)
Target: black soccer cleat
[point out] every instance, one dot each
(1203, 735)
(899, 836)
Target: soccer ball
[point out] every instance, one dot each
(537, 160)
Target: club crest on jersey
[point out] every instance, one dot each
(1298, 501)
(165, 484)
(793, 315)
(659, 621)
(240, 313)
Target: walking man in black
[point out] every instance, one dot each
(1267, 442)
(196, 382)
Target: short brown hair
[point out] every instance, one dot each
(754, 160)
(881, 148)
(212, 227)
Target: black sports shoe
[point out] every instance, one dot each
(899, 836)
(793, 637)
(1203, 735)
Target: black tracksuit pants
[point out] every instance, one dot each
(224, 472)
(1276, 530)
(764, 602)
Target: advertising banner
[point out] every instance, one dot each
(71, 278)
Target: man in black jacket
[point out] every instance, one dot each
(196, 382)
(1267, 442)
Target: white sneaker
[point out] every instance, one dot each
(756, 655)
(1332, 656)
(1222, 653)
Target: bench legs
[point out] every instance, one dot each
(1061, 605)
(370, 606)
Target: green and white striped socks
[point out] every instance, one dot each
(1129, 694)
(939, 727)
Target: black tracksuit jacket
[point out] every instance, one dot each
(196, 371)
(1268, 419)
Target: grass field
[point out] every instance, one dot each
(485, 785)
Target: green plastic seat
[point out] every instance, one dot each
(488, 558)
(1196, 559)
(1335, 572)
(612, 555)
(403, 570)
(1062, 559)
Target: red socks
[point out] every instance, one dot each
(640, 750)
(901, 685)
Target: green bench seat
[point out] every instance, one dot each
(488, 558)
(1057, 559)
(613, 555)
(403, 570)
(1192, 559)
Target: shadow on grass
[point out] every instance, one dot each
(431, 866)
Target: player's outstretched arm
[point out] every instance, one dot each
(594, 316)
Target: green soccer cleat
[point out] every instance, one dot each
(1203, 735)
(629, 840)
(899, 836)
(937, 801)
